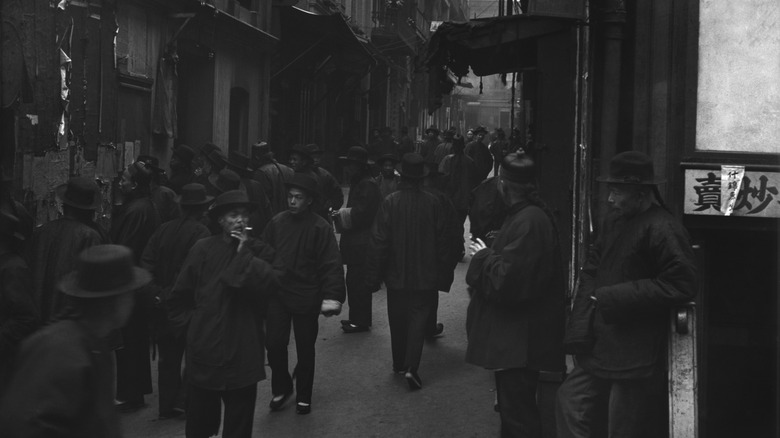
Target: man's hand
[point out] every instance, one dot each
(330, 307)
(476, 246)
(242, 237)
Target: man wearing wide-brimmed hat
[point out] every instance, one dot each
(163, 257)
(409, 252)
(55, 246)
(217, 304)
(239, 162)
(311, 276)
(181, 167)
(63, 379)
(639, 269)
(354, 221)
(430, 142)
(162, 195)
(271, 175)
(516, 314)
(329, 193)
(478, 151)
(387, 178)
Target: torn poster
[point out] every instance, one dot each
(730, 184)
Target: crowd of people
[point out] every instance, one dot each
(218, 261)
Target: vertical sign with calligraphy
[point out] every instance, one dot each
(730, 183)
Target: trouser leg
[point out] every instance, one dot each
(203, 412)
(306, 327)
(358, 295)
(397, 318)
(133, 364)
(169, 371)
(277, 326)
(419, 306)
(519, 412)
(239, 411)
(637, 408)
(578, 403)
(432, 320)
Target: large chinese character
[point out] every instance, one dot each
(708, 192)
(762, 193)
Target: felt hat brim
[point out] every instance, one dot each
(60, 192)
(69, 285)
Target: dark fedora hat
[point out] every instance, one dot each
(80, 192)
(207, 148)
(432, 129)
(480, 130)
(239, 162)
(104, 271)
(305, 182)
(225, 181)
(193, 194)
(631, 167)
(518, 168)
(150, 161)
(301, 150)
(230, 200)
(261, 148)
(356, 154)
(217, 158)
(184, 153)
(387, 157)
(413, 166)
(313, 149)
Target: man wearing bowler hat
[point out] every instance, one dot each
(517, 284)
(387, 178)
(272, 175)
(640, 267)
(354, 222)
(410, 252)
(63, 379)
(431, 141)
(181, 167)
(308, 266)
(217, 305)
(478, 151)
(162, 195)
(55, 246)
(163, 257)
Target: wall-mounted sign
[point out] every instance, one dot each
(707, 191)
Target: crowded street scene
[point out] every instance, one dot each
(389, 218)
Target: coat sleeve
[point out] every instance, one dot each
(330, 270)
(674, 283)
(18, 311)
(450, 241)
(381, 236)
(333, 194)
(181, 303)
(366, 204)
(250, 272)
(511, 275)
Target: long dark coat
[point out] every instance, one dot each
(18, 312)
(516, 315)
(272, 176)
(308, 262)
(364, 199)
(218, 301)
(62, 386)
(409, 242)
(479, 152)
(52, 254)
(638, 270)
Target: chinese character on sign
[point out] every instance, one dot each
(708, 191)
(762, 194)
(730, 183)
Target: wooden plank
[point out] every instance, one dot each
(683, 381)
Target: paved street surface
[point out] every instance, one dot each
(356, 394)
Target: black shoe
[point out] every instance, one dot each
(413, 380)
(130, 406)
(437, 332)
(278, 401)
(303, 408)
(170, 414)
(348, 327)
(399, 370)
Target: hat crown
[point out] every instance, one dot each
(413, 166)
(303, 181)
(227, 180)
(631, 167)
(104, 268)
(261, 148)
(193, 194)
(81, 192)
(358, 154)
(518, 168)
(312, 148)
(184, 153)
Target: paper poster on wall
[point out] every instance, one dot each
(758, 195)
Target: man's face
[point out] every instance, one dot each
(316, 158)
(480, 136)
(298, 201)
(624, 200)
(126, 184)
(296, 161)
(388, 169)
(234, 220)
(470, 136)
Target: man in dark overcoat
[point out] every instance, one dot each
(55, 246)
(354, 221)
(272, 175)
(410, 253)
(515, 318)
(164, 257)
(63, 379)
(218, 304)
(478, 151)
(311, 275)
(640, 267)
(132, 224)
